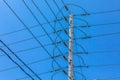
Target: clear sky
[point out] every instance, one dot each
(102, 26)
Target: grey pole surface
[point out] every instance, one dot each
(70, 53)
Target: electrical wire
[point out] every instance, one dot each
(16, 63)
(59, 41)
(66, 6)
(60, 31)
(39, 23)
(56, 20)
(101, 12)
(84, 51)
(79, 57)
(102, 25)
(57, 56)
(43, 73)
(83, 76)
(63, 15)
(23, 29)
(87, 24)
(29, 32)
(28, 29)
(20, 60)
(77, 28)
(74, 39)
(60, 11)
(39, 74)
(92, 25)
(110, 78)
(44, 31)
(54, 14)
(99, 65)
(31, 63)
(52, 77)
(68, 23)
(47, 21)
(98, 35)
(24, 40)
(71, 4)
(108, 34)
(58, 70)
(32, 48)
(50, 26)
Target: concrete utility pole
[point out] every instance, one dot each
(70, 54)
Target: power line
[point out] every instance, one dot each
(20, 30)
(85, 21)
(78, 56)
(95, 25)
(65, 5)
(67, 20)
(60, 11)
(100, 35)
(71, 4)
(39, 37)
(92, 25)
(75, 53)
(86, 66)
(109, 34)
(20, 59)
(25, 77)
(88, 13)
(32, 34)
(16, 64)
(28, 29)
(34, 62)
(99, 65)
(64, 16)
(82, 38)
(29, 32)
(110, 78)
(47, 22)
(66, 28)
(44, 31)
(54, 14)
(99, 52)
(43, 73)
(28, 49)
(24, 40)
(101, 12)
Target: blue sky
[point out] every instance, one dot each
(103, 47)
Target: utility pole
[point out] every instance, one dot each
(70, 53)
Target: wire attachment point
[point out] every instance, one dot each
(86, 37)
(85, 14)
